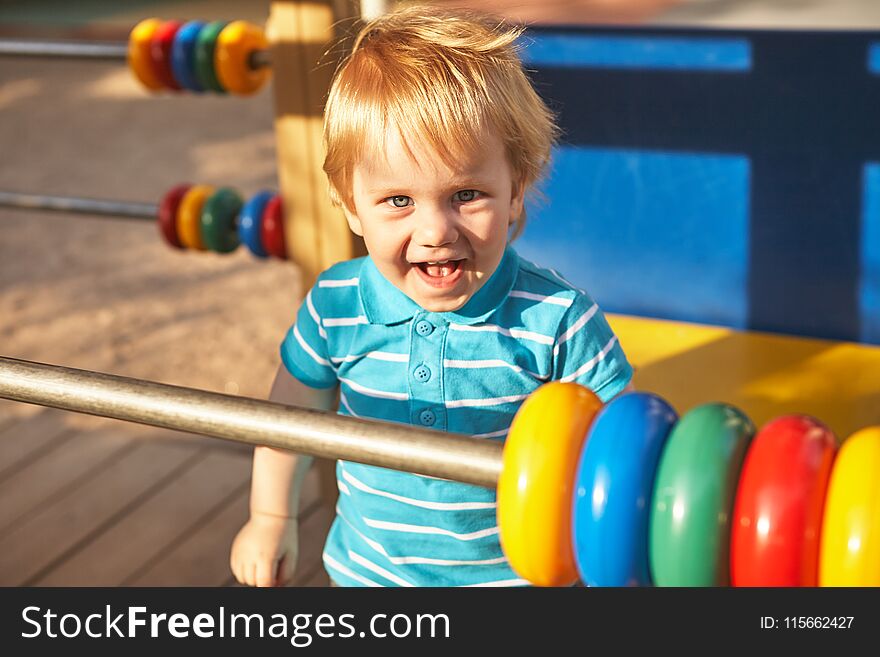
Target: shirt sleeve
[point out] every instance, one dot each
(587, 351)
(304, 350)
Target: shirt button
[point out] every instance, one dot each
(427, 418)
(422, 374)
(424, 328)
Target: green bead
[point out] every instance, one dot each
(206, 43)
(219, 220)
(694, 493)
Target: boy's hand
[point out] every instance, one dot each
(264, 553)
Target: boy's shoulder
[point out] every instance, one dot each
(337, 286)
(344, 271)
(543, 281)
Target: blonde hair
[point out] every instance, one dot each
(441, 78)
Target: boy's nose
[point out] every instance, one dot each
(435, 228)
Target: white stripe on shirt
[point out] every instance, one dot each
(491, 401)
(315, 315)
(343, 282)
(311, 352)
(369, 565)
(492, 434)
(428, 561)
(565, 280)
(344, 402)
(424, 529)
(335, 565)
(590, 364)
(344, 321)
(577, 326)
(558, 301)
(371, 392)
(480, 364)
(437, 506)
(375, 355)
(511, 333)
(501, 582)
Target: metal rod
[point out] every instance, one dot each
(116, 209)
(114, 51)
(66, 49)
(397, 446)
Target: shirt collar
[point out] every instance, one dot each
(386, 304)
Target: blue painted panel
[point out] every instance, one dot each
(869, 288)
(682, 220)
(874, 58)
(648, 52)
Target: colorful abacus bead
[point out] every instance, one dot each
(160, 53)
(183, 55)
(694, 495)
(613, 489)
(205, 48)
(850, 545)
(167, 219)
(779, 504)
(189, 217)
(140, 60)
(250, 221)
(219, 220)
(232, 58)
(535, 489)
(272, 229)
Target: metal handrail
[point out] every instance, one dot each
(397, 446)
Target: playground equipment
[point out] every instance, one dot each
(560, 468)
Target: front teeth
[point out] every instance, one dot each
(439, 262)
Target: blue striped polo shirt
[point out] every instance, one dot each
(465, 371)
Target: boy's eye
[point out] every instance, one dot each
(466, 195)
(399, 201)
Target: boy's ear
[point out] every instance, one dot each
(353, 222)
(517, 196)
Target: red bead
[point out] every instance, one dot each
(160, 53)
(272, 229)
(168, 214)
(779, 504)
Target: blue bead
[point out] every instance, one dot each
(183, 55)
(614, 483)
(249, 220)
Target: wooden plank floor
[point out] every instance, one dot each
(117, 504)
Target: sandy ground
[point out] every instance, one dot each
(109, 295)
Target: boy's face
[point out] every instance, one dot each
(436, 233)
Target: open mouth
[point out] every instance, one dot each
(440, 274)
(440, 269)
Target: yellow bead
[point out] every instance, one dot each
(234, 45)
(536, 486)
(850, 550)
(189, 217)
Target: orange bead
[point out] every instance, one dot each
(139, 57)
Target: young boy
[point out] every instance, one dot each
(433, 135)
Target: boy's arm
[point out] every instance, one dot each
(278, 474)
(265, 551)
(587, 351)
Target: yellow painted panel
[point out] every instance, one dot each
(765, 375)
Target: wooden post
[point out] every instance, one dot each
(301, 34)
